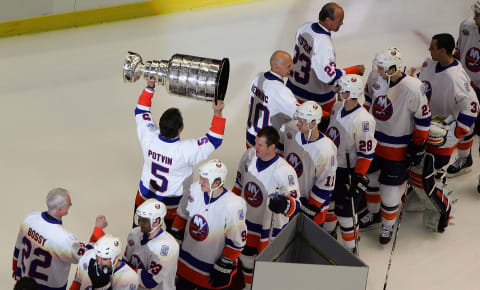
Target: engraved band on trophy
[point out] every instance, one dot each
(185, 75)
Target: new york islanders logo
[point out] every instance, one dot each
(334, 134)
(427, 89)
(136, 262)
(198, 228)
(253, 194)
(296, 162)
(472, 59)
(382, 108)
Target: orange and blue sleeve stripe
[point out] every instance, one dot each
(232, 251)
(363, 162)
(145, 98)
(147, 279)
(464, 122)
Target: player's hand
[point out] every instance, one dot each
(178, 234)
(361, 69)
(414, 154)
(221, 273)
(101, 222)
(358, 184)
(279, 204)
(217, 108)
(151, 84)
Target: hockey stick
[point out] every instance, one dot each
(270, 233)
(354, 213)
(398, 221)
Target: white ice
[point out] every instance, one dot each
(67, 118)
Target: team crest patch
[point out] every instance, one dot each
(334, 134)
(289, 136)
(198, 228)
(467, 87)
(291, 180)
(472, 59)
(164, 250)
(85, 266)
(253, 194)
(295, 161)
(465, 32)
(241, 215)
(131, 243)
(427, 89)
(332, 161)
(365, 126)
(382, 108)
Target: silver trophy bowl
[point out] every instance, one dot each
(184, 75)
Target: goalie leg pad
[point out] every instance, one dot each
(439, 210)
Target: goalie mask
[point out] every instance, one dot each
(151, 209)
(108, 247)
(388, 58)
(351, 83)
(213, 170)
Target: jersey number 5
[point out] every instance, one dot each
(44, 260)
(157, 170)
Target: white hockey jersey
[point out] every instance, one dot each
(254, 183)
(401, 114)
(315, 68)
(271, 104)
(168, 163)
(315, 163)
(450, 93)
(213, 227)
(468, 49)
(124, 277)
(353, 133)
(156, 259)
(44, 251)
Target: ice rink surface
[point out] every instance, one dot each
(67, 118)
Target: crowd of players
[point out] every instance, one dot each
(312, 147)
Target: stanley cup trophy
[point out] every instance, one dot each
(184, 75)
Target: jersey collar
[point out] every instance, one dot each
(392, 84)
(261, 165)
(145, 239)
(320, 136)
(205, 196)
(173, 140)
(439, 68)
(318, 28)
(345, 113)
(270, 75)
(51, 219)
(119, 267)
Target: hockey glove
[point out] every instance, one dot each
(358, 184)
(221, 273)
(309, 210)
(178, 234)
(100, 276)
(414, 153)
(279, 204)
